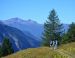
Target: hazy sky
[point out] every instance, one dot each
(37, 10)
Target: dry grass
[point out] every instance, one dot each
(65, 51)
(68, 49)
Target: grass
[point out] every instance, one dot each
(64, 51)
(68, 49)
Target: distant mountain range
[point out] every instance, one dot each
(30, 26)
(18, 39)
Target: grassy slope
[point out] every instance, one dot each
(65, 51)
(68, 49)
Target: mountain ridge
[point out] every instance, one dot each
(31, 26)
(18, 39)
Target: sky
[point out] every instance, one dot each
(37, 10)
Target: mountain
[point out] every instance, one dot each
(63, 51)
(31, 26)
(18, 39)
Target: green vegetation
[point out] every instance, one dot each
(0, 51)
(64, 51)
(52, 29)
(6, 48)
(70, 35)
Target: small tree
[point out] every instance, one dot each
(70, 35)
(65, 38)
(0, 51)
(71, 32)
(7, 47)
(52, 29)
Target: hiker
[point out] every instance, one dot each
(55, 44)
(50, 43)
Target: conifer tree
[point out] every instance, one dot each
(0, 51)
(71, 32)
(7, 47)
(52, 29)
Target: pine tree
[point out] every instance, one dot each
(0, 51)
(71, 33)
(65, 38)
(52, 29)
(7, 47)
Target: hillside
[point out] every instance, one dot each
(18, 39)
(64, 51)
(31, 26)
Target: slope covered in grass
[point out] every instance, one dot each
(68, 49)
(64, 51)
